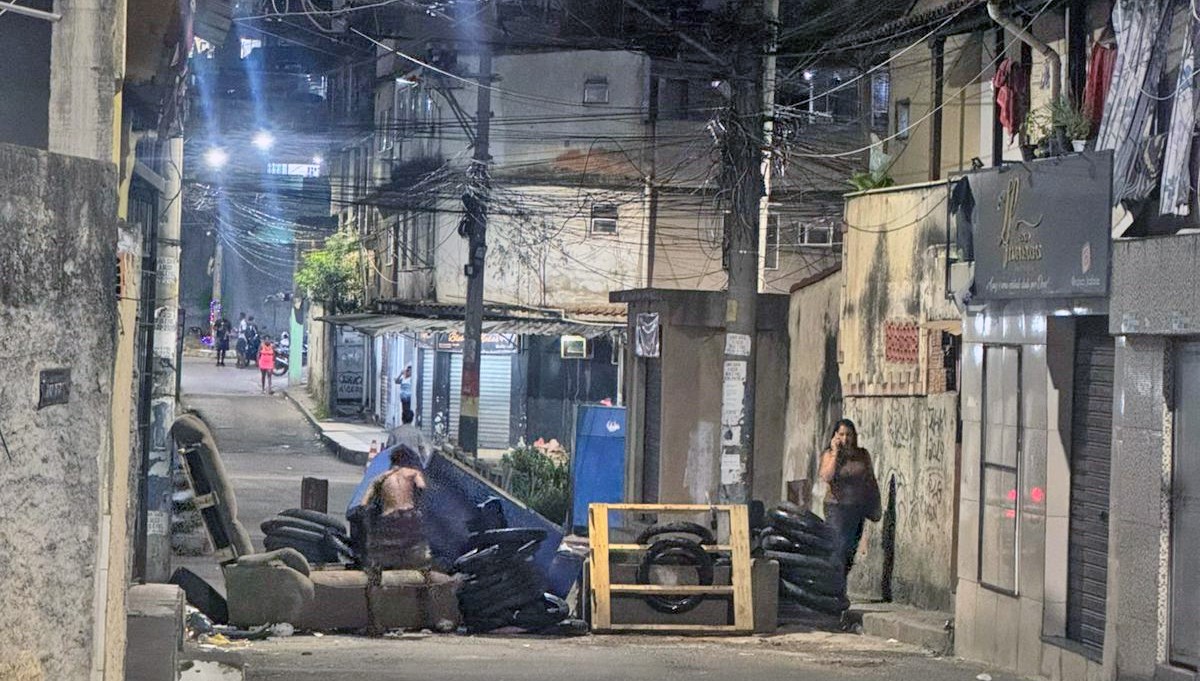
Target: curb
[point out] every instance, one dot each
(342, 453)
(919, 628)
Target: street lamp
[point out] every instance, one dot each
(263, 140)
(317, 160)
(216, 158)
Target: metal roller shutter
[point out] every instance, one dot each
(426, 388)
(455, 393)
(1091, 455)
(495, 401)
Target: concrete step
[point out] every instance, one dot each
(930, 629)
(155, 632)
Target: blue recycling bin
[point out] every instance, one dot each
(598, 461)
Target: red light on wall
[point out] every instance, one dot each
(1012, 495)
(1037, 494)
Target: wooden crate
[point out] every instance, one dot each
(602, 589)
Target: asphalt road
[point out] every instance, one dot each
(807, 656)
(267, 446)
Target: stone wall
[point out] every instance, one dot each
(57, 297)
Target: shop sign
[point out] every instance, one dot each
(1042, 229)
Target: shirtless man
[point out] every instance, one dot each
(395, 539)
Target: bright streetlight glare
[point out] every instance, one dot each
(216, 157)
(264, 140)
(317, 160)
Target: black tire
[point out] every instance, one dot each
(316, 517)
(483, 626)
(824, 604)
(495, 559)
(274, 525)
(823, 585)
(279, 370)
(494, 586)
(490, 605)
(545, 611)
(816, 523)
(314, 552)
(295, 533)
(699, 558)
(777, 542)
(511, 535)
(476, 559)
(699, 531)
(820, 533)
(799, 560)
(829, 573)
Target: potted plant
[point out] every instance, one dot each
(1074, 124)
(1037, 131)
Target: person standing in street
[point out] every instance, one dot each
(404, 380)
(853, 491)
(221, 340)
(266, 365)
(240, 347)
(408, 435)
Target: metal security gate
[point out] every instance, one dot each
(1091, 455)
(455, 394)
(425, 381)
(495, 401)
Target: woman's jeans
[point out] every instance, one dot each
(847, 524)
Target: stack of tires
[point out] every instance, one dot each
(320, 537)
(809, 574)
(500, 586)
(676, 544)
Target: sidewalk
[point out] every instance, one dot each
(350, 440)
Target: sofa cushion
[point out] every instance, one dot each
(408, 599)
(339, 601)
(264, 591)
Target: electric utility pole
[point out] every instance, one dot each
(474, 228)
(742, 182)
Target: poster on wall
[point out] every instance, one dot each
(646, 339)
(1043, 229)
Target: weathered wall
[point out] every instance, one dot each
(546, 257)
(692, 344)
(320, 366)
(894, 269)
(814, 399)
(85, 78)
(911, 441)
(58, 254)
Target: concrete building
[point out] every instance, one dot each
(88, 87)
(1070, 524)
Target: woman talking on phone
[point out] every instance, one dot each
(853, 491)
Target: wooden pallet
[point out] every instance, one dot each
(601, 588)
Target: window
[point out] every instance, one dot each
(903, 120)
(674, 100)
(604, 219)
(1000, 506)
(248, 45)
(595, 91)
(295, 169)
(771, 255)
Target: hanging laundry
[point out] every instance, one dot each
(1011, 89)
(1099, 77)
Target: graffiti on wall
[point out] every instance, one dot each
(910, 440)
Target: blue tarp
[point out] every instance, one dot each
(453, 491)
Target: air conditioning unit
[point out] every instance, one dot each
(575, 347)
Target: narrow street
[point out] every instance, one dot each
(268, 446)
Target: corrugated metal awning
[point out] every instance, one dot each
(376, 324)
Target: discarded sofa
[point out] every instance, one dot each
(281, 585)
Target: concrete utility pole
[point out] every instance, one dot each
(474, 228)
(743, 187)
(160, 482)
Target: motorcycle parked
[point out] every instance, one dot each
(281, 361)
